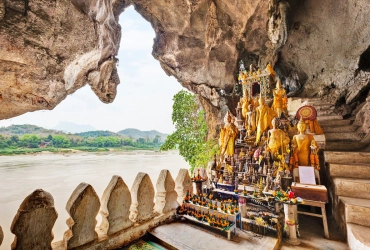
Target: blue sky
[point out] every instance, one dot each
(144, 96)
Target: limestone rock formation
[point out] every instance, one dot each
(49, 50)
(83, 207)
(116, 202)
(34, 222)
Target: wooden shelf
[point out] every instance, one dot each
(231, 228)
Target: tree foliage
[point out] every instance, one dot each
(191, 131)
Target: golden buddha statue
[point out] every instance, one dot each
(250, 120)
(244, 103)
(314, 127)
(228, 135)
(271, 71)
(314, 157)
(301, 145)
(280, 99)
(264, 116)
(277, 141)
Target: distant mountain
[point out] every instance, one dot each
(73, 127)
(26, 129)
(98, 133)
(135, 134)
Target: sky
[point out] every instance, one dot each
(144, 96)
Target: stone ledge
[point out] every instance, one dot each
(356, 210)
(123, 237)
(351, 187)
(360, 171)
(358, 237)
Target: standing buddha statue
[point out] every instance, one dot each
(301, 145)
(264, 116)
(277, 140)
(280, 99)
(244, 103)
(228, 135)
(250, 121)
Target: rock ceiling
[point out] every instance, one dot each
(49, 49)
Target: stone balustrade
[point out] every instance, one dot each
(126, 215)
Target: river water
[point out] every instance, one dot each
(60, 174)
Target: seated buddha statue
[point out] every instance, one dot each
(277, 141)
(228, 135)
(280, 99)
(264, 116)
(301, 146)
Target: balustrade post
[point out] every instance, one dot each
(82, 206)
(115, 207)
(142, 197)
(34, 221)
(183, 183)
(1, 235)
(166, 197)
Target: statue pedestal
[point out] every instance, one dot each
(291, 218)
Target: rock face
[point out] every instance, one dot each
(49, 50)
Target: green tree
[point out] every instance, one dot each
(141, 141)
(60, 141)
(157, 139)
(14, 139)
(191, 130)
(30, 141)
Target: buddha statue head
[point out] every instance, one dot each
(301, 126)
(274, 122)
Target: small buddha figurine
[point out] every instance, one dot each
(280, 99)
(301, 146)
(314, 158)
(242, 153)
(227, 136)
(264, 116)
(277, 140)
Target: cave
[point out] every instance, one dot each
(50, 50)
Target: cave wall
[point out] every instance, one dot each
(49, 49)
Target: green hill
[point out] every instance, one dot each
(97, 133)
(27, 129)
(136, 134)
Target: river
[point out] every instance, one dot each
(60, 174)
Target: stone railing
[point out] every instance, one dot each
(126, 215)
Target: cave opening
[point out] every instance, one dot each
(364, 62)
(144, 95)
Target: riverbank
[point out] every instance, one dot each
(25, 151)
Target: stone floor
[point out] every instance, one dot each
(188, 236)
